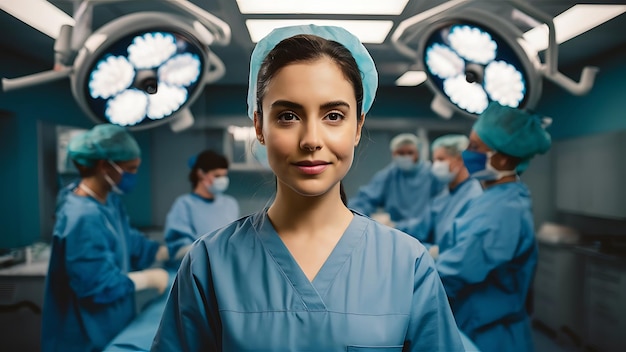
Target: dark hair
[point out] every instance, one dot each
(307, 47)
(84, 171)
(303, 48)
(206, 161)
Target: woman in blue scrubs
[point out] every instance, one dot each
(308, 274)
(91, 280)
(487, 262)
(203, 210)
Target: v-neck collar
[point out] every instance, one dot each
(312, 292)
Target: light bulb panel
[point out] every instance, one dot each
(471, 65)
(140, 70)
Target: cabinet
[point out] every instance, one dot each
(558, 289)
(605, 304)
(590, 173)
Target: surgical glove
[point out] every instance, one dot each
(156, 278)
(181, 252)
(162, 254)
(434, 251)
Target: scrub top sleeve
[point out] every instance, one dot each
(142, 250)
(91, 263)
(370, 196)
(179, 230)
(190, 321)
(483, 243)
(432, 326)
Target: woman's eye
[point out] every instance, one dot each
(334, 116)
(287, 117)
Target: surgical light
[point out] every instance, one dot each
(472, 56)
(139, 70)
(472, 66)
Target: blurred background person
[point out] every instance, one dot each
(402, 189)
(91, 282)
(449, 169)
(487, 260)
(203, 210)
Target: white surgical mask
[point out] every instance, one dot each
(441, 170)
(490, 173)
(219, 185)
(404, 162)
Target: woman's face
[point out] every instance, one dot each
(309, 126)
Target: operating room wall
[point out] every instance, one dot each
(51, 104)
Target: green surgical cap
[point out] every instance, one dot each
(512, 131)
(455, 142)
(103, 142)
(362, 57)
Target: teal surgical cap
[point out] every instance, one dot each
(362, 57)
(512, 131)
(456, 143)
(103, 142)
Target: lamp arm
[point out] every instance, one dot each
(220, 29)
(9, 84)
(550, 68)
(219, 69)
(413, 20)
(582, 87)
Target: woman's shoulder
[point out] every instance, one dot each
(389, 238)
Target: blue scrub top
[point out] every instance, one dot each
(430, 226)
(192, 216)
(486, 263)
(89, 297)
(239, 289)
(403, 194)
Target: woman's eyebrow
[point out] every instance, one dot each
(334, 104)
(286, 104)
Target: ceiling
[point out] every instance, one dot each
(26, 42)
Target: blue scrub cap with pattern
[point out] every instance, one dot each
(513, 131)
(103, 142)
(369, 75)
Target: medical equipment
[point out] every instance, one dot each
(139, 70)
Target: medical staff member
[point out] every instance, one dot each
(404, 188)
(205, 209)
(448, 168)
(308, 274)
(91, 282)
(487, 261)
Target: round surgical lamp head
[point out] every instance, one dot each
(469, 64)
(139, 70)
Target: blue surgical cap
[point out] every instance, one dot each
(362, 57)
(103, 142)
(512, 131)
(456, 143)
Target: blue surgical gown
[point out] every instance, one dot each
(438, 219)
(192, 216)
(402, 194)
(487, 263)
(89, 297)
(239, 289)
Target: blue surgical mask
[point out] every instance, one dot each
(405, 162)
(219, 185)
(441, 171)
(479, 166)
(127, 182)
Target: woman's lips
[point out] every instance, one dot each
(314, 167)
